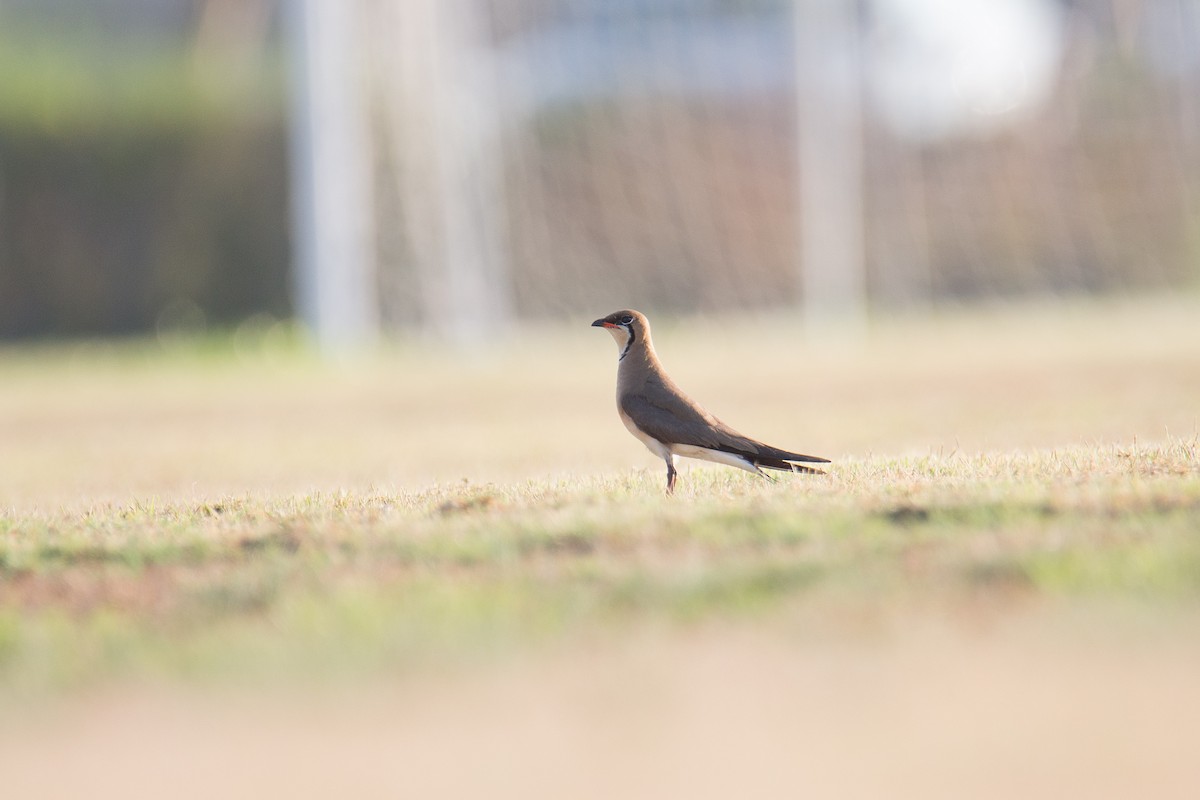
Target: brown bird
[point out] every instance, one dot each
(670, 423)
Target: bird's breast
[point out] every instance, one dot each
(653, 445)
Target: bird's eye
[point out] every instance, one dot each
(627, 319)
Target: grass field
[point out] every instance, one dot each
(228, 569)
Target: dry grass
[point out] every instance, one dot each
(90, 424)
(999, 608)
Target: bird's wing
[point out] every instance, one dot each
(669, 420)
(666, 414)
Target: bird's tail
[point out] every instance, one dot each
(785, 466)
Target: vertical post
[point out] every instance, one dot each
(332, 214)
(829, 107)
(446, 128)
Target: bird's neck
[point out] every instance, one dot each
(637, 347)
(636, 365)
(630, 342)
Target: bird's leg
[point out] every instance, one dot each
(671, 473)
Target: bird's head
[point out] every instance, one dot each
(626, 326)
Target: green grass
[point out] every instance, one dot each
(232, 509)
(363, 583)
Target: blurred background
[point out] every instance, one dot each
(453, 166)
(996, 202)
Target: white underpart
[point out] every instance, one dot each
(621, 335)
(653, 445)
(669, 452)
(717, 456)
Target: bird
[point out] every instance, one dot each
(659, 415)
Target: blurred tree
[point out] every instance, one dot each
(137, 177)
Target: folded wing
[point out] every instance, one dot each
(667, 415)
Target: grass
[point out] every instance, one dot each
(231, 506)
(222, 551)
(366, 583)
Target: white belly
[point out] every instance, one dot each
(668, 452)
(653, 445)
(704, 454)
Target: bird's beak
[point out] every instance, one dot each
(602, 324)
